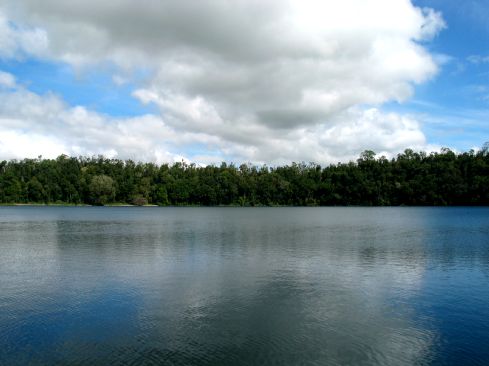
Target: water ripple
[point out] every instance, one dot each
(285, 286)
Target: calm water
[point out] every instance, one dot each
(244, 286)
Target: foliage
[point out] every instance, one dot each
(412, 178)
(102, 189)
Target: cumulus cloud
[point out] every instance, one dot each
(256, 80)
(33, 124)
(7, 80)
(19, 42)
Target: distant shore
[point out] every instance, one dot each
(76, 205)
(230, 206)
(410, 179)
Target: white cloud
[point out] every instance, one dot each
(478, 59)
(266, 81)
(18, 42)
(32, 125)
(7, 80)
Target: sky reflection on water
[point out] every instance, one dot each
(254, 286)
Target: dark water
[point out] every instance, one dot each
(244, 286)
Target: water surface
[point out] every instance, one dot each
(244, 286)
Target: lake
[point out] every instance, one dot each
(244, 286)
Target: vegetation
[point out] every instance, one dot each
(412, 178)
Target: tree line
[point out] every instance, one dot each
(411, 178)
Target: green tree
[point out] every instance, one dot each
(35, 191)
(161, 196)
(102, 189)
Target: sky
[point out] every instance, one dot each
(259, 81)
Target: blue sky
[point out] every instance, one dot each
(225, 88)
(92, 88)
(456, 102)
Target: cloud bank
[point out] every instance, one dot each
(261, 81)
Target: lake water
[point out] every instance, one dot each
(244, 286)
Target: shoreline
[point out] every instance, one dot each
(223, 206)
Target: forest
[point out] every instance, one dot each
(411, 178)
